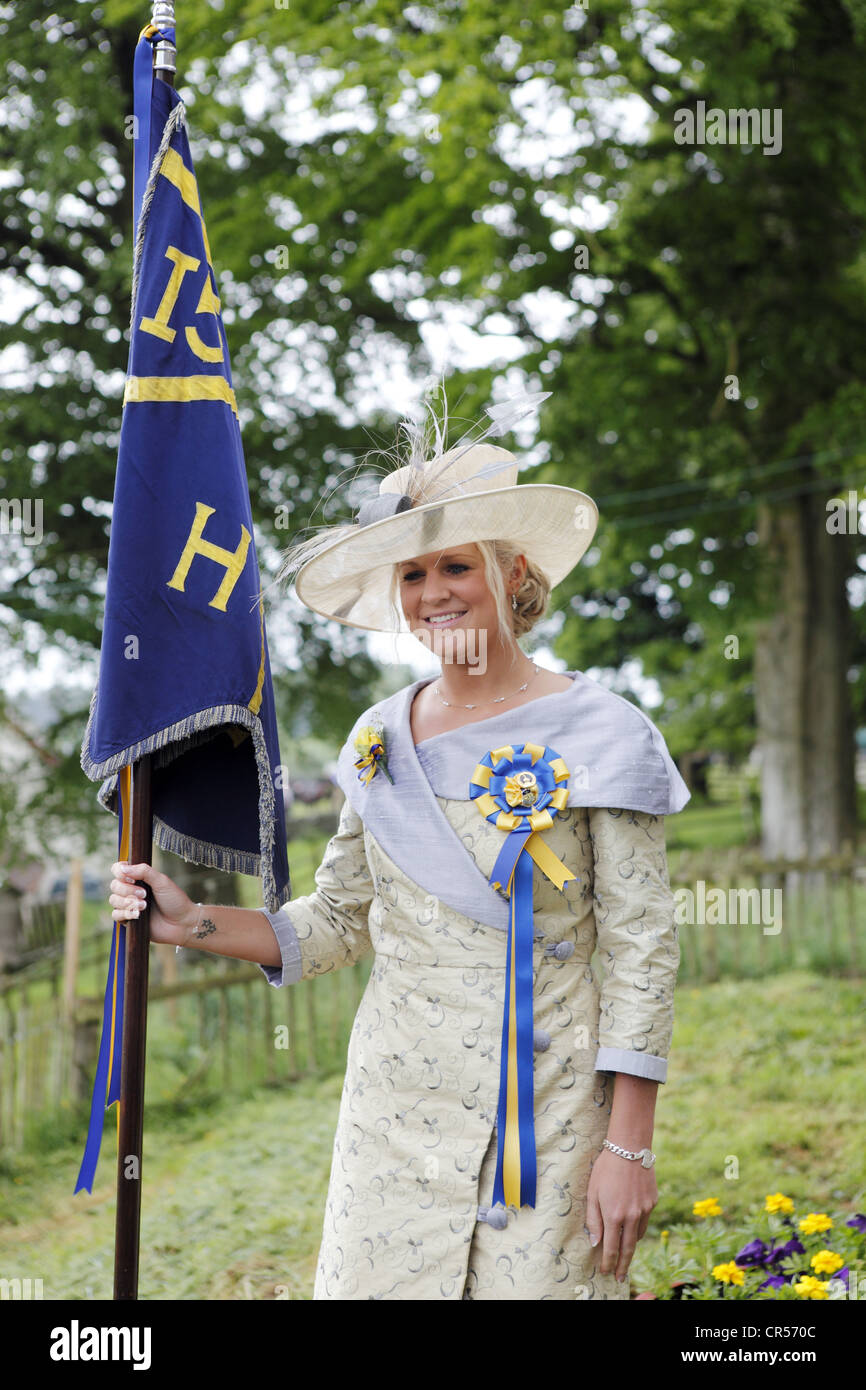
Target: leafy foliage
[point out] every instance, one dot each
(364, 169)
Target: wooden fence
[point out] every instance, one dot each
(742, 916)
(215, 1025)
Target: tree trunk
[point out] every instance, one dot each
(802, 701)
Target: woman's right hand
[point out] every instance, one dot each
(172, 912)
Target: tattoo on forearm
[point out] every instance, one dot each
(207, 926)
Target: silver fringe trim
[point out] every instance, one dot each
(176, 119)
(168, 744)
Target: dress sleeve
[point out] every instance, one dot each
(329, 928)
(637, 936)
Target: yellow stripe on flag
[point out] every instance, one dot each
(174, 169)
(179, 388)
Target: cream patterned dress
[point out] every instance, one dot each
(408, 1209)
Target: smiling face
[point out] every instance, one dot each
(448, 582)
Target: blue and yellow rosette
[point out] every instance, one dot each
(370, 747)
(519, 788)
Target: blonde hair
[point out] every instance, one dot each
(532, 594)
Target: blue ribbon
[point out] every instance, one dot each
(520, 932)
(513, 872)
(142, 89)
(106, 1084)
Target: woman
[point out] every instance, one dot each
(500, 821)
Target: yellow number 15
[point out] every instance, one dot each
(208, 304)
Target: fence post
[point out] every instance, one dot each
(168, 959)
(72, 939)
(85, 1050)
(312, 1049)
(850, 853)
(84, 1032)
(224, 1025)
(269, 1036)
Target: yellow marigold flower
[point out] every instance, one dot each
(815, 1221)
(826, 1262)
(708, 1206)
(664, 1235)
(777, 1201)
(731, 1273)
(810, 1287)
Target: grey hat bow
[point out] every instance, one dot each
(384, 504)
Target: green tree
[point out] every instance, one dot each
(695, 310)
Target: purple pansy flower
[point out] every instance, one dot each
(775, 1281)
(755, 1253)
(782, 1252)
(858, 1222)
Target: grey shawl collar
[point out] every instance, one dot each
(614, 753)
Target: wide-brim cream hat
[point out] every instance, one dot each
(469, 493)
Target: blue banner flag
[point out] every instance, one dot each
(184, 670)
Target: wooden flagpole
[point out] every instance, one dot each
(130, 1129)
(130, 1121)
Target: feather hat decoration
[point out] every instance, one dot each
(439, 497)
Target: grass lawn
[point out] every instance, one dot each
(232, 1207)
(765, 1092)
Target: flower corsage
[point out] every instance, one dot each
(370, 747)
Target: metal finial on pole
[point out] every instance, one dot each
(164, 53)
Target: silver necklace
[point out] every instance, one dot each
(496, 701)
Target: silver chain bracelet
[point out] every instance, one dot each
(646, 1156)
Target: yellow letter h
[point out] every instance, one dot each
(233, 560)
